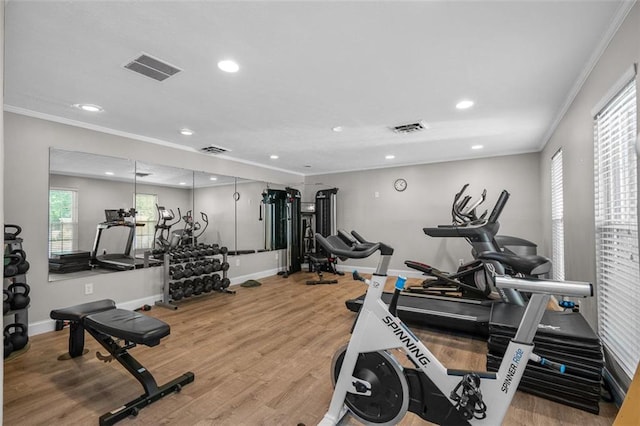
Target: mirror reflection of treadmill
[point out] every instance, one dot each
(118, 261)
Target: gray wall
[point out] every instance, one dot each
(574, 135)
(397, 218)
(27, 143)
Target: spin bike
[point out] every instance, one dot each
(375, 388)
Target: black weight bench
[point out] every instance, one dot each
(111, 326)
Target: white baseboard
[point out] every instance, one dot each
(45, 326)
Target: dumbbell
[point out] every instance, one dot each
(198, 286)
(224, 250)
(188, 271)
(216, 265)
(216, 282)
(175, 291)
(199, 269)
(187, 287)
(176, 272)
(224, 266)
(208, 267)
(20, 299)
(208, 284)
(224, 283)
(19, 337)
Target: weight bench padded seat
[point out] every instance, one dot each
(129, 326)
(78, 312)
(111, 326)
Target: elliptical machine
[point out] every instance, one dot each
(161, 240)
(474, 280)
(189, 234)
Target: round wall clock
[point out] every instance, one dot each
(400, 185)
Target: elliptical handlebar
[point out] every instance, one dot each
(463, 210)
(497, 209)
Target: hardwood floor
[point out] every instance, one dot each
(260, 357)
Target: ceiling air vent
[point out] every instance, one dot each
(213, 149)
(410, 127)
(152, 68)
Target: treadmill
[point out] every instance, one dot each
(469, 316)
(117, 261)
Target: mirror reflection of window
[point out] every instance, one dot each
(147, 214)
(63, 220)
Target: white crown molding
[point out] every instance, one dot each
(622, 12)
(94, 127)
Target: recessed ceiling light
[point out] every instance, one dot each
(108, 173)
(213, 178)
(228, 66)
(186, 132)
(477, 147)
(390, 157)
(337, 129)
(464, 104)
(89, 107)
(274, 157)
(183, 183)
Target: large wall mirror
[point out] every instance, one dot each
(92, 197)
(92, 200)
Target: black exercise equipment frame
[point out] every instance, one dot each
(152, 392)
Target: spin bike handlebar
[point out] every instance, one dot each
(336, 246)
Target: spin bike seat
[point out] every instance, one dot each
(527, 265)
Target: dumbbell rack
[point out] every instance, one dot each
(167, 299)
(16, 315)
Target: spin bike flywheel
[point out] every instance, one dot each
(389, 399)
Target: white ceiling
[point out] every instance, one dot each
(307, 67)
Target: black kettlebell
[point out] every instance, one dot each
(19, 337)
(23, 265)
(20, 299)
(11, 235)
(7, 298)
(8, 346)
(11, 262)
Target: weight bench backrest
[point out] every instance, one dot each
(78, 312)
(129, 326)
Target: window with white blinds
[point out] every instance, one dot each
(616, 214)
(146, 214)
(63, 220)
(557, 217)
